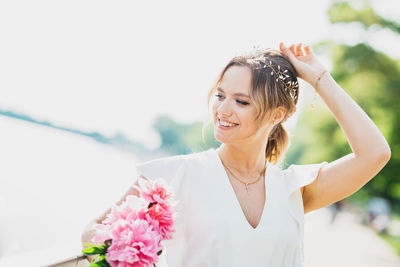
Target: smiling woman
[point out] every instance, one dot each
(252, 89)
(237, 207)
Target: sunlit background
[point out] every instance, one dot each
(90, 88)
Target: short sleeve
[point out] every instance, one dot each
(301, 175)
(296, 177)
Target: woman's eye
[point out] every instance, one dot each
(239, 101)
(242, 102)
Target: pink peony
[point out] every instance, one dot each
(134, 244)
(162, 219)
(138, 225)
(102, 233)
(157, 191)
(132, 204)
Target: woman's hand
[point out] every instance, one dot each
(305, 62)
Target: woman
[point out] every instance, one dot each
(236, 206)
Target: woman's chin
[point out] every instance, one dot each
(222, 139)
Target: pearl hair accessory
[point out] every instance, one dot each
(291, 86)
(280, 75)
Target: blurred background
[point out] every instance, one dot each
(90, 88)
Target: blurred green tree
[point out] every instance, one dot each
(181, 138)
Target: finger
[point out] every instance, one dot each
(289, 53)
(281, 47)
(299, 50)
(296, 49)
(291, 48)
(307, 49)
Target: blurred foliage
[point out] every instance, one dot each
(343, 12)
(369, 76)
(180, 138)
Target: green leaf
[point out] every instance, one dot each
(100, 249)
(89, 245)
(100, 263)
(101, 257)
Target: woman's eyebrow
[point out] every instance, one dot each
(238, 94)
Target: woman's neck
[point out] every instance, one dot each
(244, 161)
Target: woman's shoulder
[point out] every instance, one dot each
(180, 158)
(169, 166)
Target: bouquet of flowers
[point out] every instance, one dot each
(132, 232)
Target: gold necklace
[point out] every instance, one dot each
(246, 183)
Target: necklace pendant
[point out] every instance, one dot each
(247, 188)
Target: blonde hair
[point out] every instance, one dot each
(267, 94)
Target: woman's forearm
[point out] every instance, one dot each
(87, 236)
(364, 137)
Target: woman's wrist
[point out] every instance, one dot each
(318, 79)
(316, 84)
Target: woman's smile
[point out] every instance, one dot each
(224, 125)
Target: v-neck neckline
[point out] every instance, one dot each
(236, 200)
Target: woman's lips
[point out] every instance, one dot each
(220, 126)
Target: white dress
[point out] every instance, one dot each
(211, 229)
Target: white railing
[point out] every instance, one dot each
(76, 261)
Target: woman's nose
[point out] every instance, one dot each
(224, 108)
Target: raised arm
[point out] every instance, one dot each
(346, 175)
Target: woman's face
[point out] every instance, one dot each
(231, 104)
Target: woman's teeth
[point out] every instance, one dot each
(227, 124)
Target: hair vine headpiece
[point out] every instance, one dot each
(291, 86)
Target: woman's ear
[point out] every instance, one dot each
(280, 113)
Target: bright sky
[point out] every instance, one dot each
(113, 66)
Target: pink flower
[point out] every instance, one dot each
(162, 219)
(157, 191)
(134, 244)
(102, 233)
(138, 225)
(132, 204)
